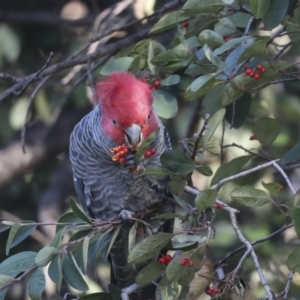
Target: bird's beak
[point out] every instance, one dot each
(133, 136)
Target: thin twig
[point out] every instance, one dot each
(248, 25)
(287, 286)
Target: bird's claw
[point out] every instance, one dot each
(126, 214)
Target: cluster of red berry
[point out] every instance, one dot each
(185, 24)
(211, 291)
(150, 152)
(165, 259)
(155, 85)
(120, 153)
(218, 206)
(253, 74)
(252, 138)
(186, 262)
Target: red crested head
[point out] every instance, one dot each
(127, 113)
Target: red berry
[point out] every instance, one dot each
(257, 76)
(208, 290)
(186, 259)
(248, 71)
(121, 160)
(144, 79)
(227, 39)
(258, 67)
(162, 260)
(252, 74)
(148, 154)
(157, 83)
(121, 153)
(126, 150)
(191, 263)
(215, 290)
(153, 151)
(252, 138)
(185, 24)
(168, 258)
(263, 70)
(217, 205)
(182, 263)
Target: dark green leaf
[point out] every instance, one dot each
(78, 212)
(293, 261)
(72, 274)
(118, 64)
(195, 7)
(150, 273)
(259, 7)
(165, 104)
(205, 170)
(236, 113)
(177, 161)
(17, 263)
(231, 168)
(54, 270)
(228, 45)
(295, 214)
(57, 240)
(266, 131)
(213, 124)
(85, 252)
(240, 19)
(36, 284)
(186, 280)
(19, 232)
(292, 156)
(200, 81)
(186, 242)
(115, 292)
(139, 155)
(258, 49)
(212, 101)
(4, 280)
(157, 171)
(249, 196)
(170, 80)
(168, 21)
(149, 247)
(115, 234)
(176, 184)
(150, 56)
(173, 55)
(69, 217)
(230, 94)
(275, 14)
(44, 256)
(205, 199)
(273, 187)
(213, 59)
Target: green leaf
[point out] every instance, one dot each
(72, 274)
(293, 261)
(292, 155)
(139, 155)
(186, 242)
(200, 81)
(229, 45)
(170, 80)
(85, 252)
(19, 232)
(150, 56)
(78, 212)
(17, 263)
(249, 196)
(211, 38)
(174, 270)
(157, 171)
(176, 184)
(44, 256)
(57, 240)
(297, 198)
(275, 14)
(150, 273)
(195, 7)
(240, 19)
(69, 217)
(54, 270)
(118, 64)
(230, 94)
(266, 131)
(213, 124)
(259, 7)
(36, 284)
(173, 55)
(231, 168)
(212, 101)
(295, 214)
(149, 247)
(11, 49)
(293, 25)
(237, 113)
(257, 49)
(186, 280)
(168, 21)
(116, 232)
(213, 59)
(205, 199)
(166, 290)
(4, 280)
(205, 170)
(273, 187)
(97, 296)
(142, 48)
(165, 104)
(115, 292)
(177, 161)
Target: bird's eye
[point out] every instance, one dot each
(114, 121)
(149, 116)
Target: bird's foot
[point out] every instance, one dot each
(126, 214)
